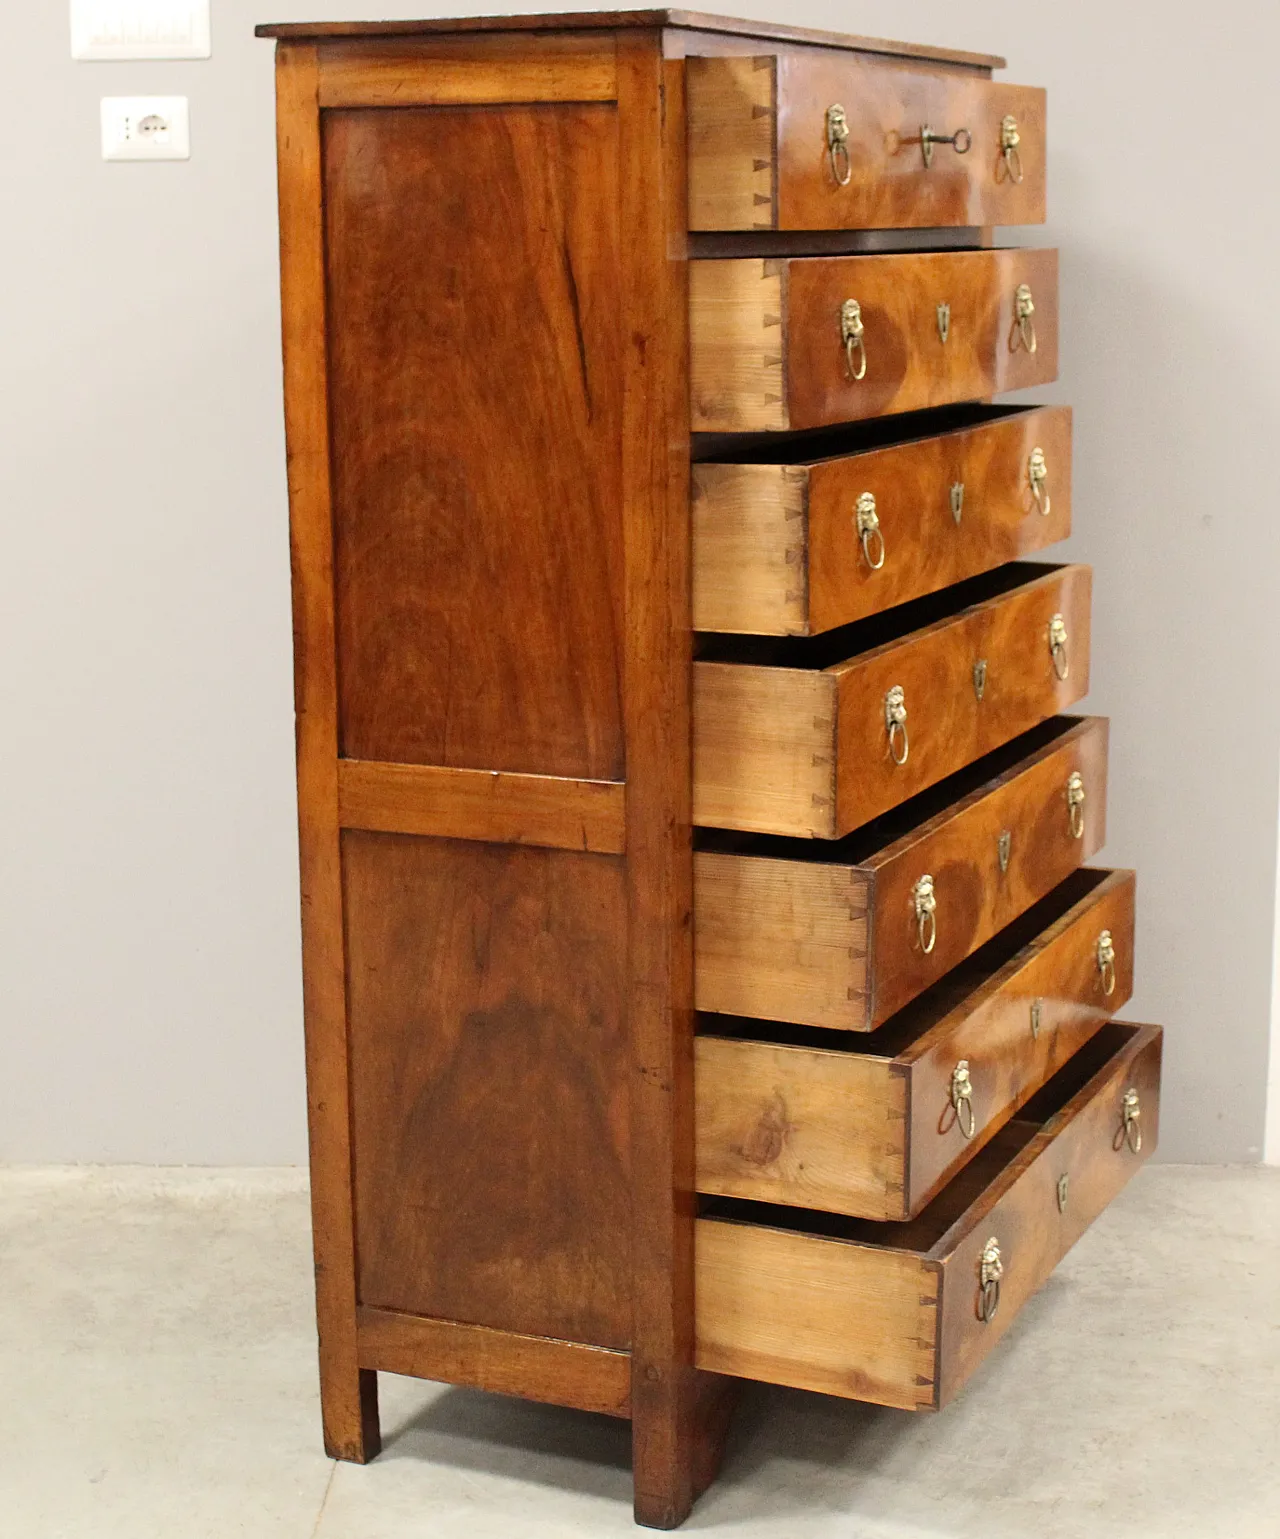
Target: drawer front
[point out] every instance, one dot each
(794, 550)
(766, 150)
(875, 1135)
(767, 336)
(835, 943)
(889, 1313)
(803, 752)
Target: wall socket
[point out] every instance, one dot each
(146, 128)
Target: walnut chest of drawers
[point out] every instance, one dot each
(703, 975)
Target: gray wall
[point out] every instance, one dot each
(152, 1009)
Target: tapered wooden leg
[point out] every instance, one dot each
(349, 1409)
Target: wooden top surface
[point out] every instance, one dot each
(569, 21)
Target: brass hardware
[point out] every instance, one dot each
(1107, 962)
(869, 531)
(959, 142)
(1130, 1127)
(1038, 475)
(962, 1098)
(851, 334)
(838, 144)
(1004, 846)
(926, 905)
(1058, 646)
(1009, 141)
(1064, 1183)
(980, 677)
(990, 1271)
(1023, 331)
(944, 322)
(895, 723)
(957, 500)
(1037, 1009)
(1075, 804)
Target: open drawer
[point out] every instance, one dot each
(902, 1314)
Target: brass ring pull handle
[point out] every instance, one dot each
(1023, 331)
(851, 334)
(1009, 141)
(869, 532)
(1075, 804)
(838, 144)
(1038, 475)
(895, 723)
(990, 1271)
(926, 906)
(962, 1098)
(960, 141)
(1058, 646)
(1130, 1124)
(1107, 962)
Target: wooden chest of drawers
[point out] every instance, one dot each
(703, 977)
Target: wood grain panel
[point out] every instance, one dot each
(348, 1393)
(533, 1367)
(489, 1087)
(776, 546)
(766, 350)
(758, 145)
(483, 804)
(794, 1309)
(468, 71)
(476, 410)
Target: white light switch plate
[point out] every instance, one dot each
(140, 29)
(146, 128)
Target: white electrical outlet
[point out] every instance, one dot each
(140, 29)
(146, 128)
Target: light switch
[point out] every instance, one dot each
(146, 128)
(140, 29)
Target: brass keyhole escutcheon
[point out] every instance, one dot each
(1037, 1010)
(1107, 963)
(1064, 1185)
(1058, 646)
(990, 1272)
(962, 1098)
(1004, 847)
(957, 501)
(852, 334)
(1009, 141)
(980, 677)
(1038, 475)
(1130, 1125)
(870, 534)
(926, 906)
(1023, 331)
(944, 323)
(895, 723)
(838, 144)
(1075, 804)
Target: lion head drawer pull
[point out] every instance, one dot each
(962, 1098)
(851, 334)
(838, 144)
(869, 532)
(1107, 963)
(1038, 475)
(1058, 646)
(1009, 141)
(1075, 804)
(1023, 331)
(895, 723)
(990, 1271)
(926, 906)
(1130, 1131)
(960, 141)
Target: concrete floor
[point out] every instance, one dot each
(157, 1381)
